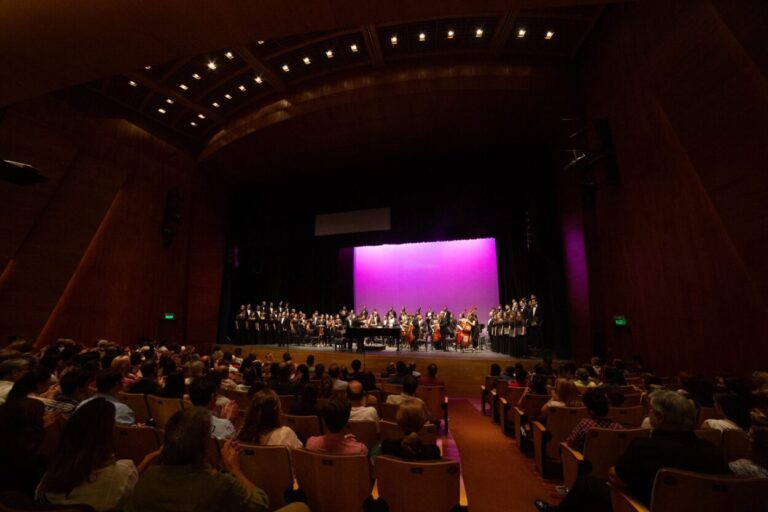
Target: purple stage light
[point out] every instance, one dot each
(458, 274)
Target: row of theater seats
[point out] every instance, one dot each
(553, 458)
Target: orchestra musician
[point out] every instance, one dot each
(241, 321)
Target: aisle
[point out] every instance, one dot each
(497, 477)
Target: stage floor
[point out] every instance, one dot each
(463, 372)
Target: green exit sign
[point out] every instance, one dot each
(169, 316)
(620, 321)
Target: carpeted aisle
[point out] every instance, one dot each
(496, 476)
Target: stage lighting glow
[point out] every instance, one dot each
(458, 274)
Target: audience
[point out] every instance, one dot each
(202, 393)
(596, 403)
(147, 385)
(410, 384)
(335, 417)
(431, 377)
(262, 424)
(11, 370)
(564, 395)
(359, 411)
(731, 407)
(306, 405)
(334, 372)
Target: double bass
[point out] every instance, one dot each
(464, 333)
(436, 336)
(406, 328)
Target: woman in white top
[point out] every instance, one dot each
(735, 415)
(83, 470)
(262, 424)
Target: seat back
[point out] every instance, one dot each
(561, 422)
(161, 409)
(532, 405)
(603, 447)
(514, 394)
(304, 426)
(365, 431)
(241, 398)
(390, 430)
(418, 486)
(390, 389)
(269, 467)
(138, 403)
(735, 445)
(632, 400)
(389, 411)
(134, 442)
(502, 388)
(286, 402)
(713, 436)
(627, 416)
(674, 489)
(434, 398)
(708, 413)
(319, 476)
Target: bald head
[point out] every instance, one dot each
(355, 392)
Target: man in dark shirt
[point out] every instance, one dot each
(672, 444)
(148, 384)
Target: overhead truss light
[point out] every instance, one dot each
(479, 32)
(521, 33)
(451, 33)
(306, 61)
(229, 55)
(549, 35)
(258, 80)
(183, 87)
(393, 40)
(353, 48)
(329, 53)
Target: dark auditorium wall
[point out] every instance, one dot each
(682, 243)
(82, 255)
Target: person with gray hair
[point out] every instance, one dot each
(672, 444)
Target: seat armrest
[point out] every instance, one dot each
(517, 417)
(571, 460)
(539, 441)
(622, 502)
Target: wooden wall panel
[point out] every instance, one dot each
(683, 242)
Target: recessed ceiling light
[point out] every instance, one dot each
(479, 32)
(216, 104)
(229, 55)
(393, 40)
(450, 34)
(258, 80)
(196, 76)
(201, 116)
(161, 110)
(306, 61)
(183, 87)
(422, 37)
(549, 35)
(147, 67)
(132, 83)
(228, 96)
(286, 68)
(521, 33)
(211, 65)
(242, 88)
(169, 101)
(329, 54)
(193, 123)
(260, 41)
(353, 47)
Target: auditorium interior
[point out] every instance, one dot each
(209, 189)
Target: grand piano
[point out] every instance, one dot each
(361, 333)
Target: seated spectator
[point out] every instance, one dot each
(521, 376)
(202, 393)
(174, 385)
(757, 465)
(280, 382)
(597, 408)
(334, 372)
(311, 363)
(108, 384)
(614, 393)
(582, 379)
(83, 469)
(22, 424)
(360, 412)
(431, 378)
(401, 373)
(301, 377)
(564, 395)
(262, 424)
(196, 370)
(356, 374)
(73, 387)
(250, 375)
(389, 371)
(412, 369)
(306, 405)
(537, 386)
(410, 385)
(731, 407)
(672, 444)
(147, 385)
(11, 370)
(335, 417)
(410, 417)
(495, 371)
(183, 482)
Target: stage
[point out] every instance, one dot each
(463, 372)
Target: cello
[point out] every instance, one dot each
(436, 337)
(464, 333)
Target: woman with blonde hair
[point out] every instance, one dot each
(411, 416)
(565, 394)
(262, 424)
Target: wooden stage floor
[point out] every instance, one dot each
(463, 372)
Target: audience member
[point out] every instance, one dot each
(202, 393)
(596, 403)
(108, 384)
(335, 417)
(306, 405)
(147, 385)
(359, 411)
(262, 424)
(431, 378)
(410, 417)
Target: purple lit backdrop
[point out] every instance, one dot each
(458, 274)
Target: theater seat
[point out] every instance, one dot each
(365, 431)
(338, 483)
(418, 486)
(602, 448)
(304, 426)
(269, 467)
(390, 430)
(161, 409)
(546, 440)
(135, 442)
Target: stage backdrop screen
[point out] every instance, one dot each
(458, 274)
